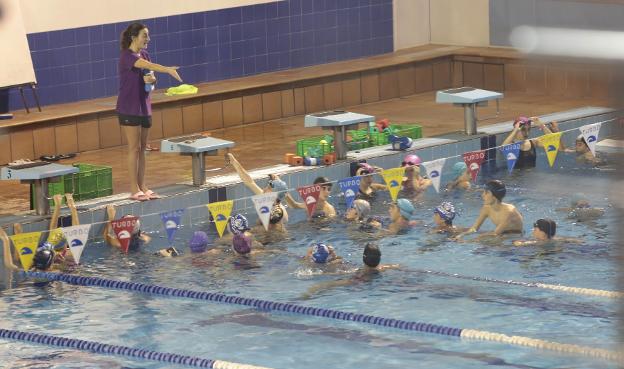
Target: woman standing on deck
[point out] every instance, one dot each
(134, 107)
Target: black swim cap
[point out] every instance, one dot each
(372, 255)
(276, 214)
(497, 188)
(323, 181)
(43, 258)
(547, 226)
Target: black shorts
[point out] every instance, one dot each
(135, 120)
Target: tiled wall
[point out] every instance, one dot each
(81, 63)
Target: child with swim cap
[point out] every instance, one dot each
(505, 216)
(358, 211)
(520, 133)
(138, 238)
(443, 216)
(413, 183)
(400, 212)
(544, 231)
(461, 177)
(368, 188)
(323, 207)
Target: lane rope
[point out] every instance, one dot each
(124, 351)
(328, 313)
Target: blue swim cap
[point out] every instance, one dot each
(320, 253)
(279, 186)
(199, 242)
(238, 224)
(459, 168)
(405, 207)
(446, 211)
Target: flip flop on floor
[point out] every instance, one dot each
(151, 148)
(152, 195)
(50, 157)
(139, 196)
(67, 156)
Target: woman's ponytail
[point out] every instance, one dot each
(132, 30)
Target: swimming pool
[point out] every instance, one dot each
(292, 341)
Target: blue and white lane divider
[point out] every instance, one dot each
(106, 349)
(328, 313)
(556, 287)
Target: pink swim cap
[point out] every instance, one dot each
(412, 160)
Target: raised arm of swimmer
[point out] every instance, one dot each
(244, 175)
(6, 248)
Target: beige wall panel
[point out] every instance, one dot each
(233, 112)
(156, 132)
(460, 22)
(44, 141)
(213, 115)
(252, 108)
(370, 86)
(411, 23)
(22, 145)
(192, 118)
(300, 105)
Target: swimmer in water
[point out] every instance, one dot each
(583, 152)
(520, 133)
(44, 260)
(323, 208)
(320, 253)
(278, 212)
(413, 183)
(443, 216)
(462, 177)
(581, 210)
(544, 231)
(358, 211)
(368, 188)
(400, 213)
(372, 267)
(505, 217)
(138, 238)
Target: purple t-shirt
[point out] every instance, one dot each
(132, 98)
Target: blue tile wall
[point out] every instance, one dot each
(81, 63)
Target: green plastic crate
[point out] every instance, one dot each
(90, 182)
(312, 146)
(382, 138)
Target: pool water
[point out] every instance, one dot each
(280, 340)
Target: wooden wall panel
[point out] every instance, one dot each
(369, 86)
(22, 145)
(67, 138)
(535, 79)
(44, 141)
(494, 77)
(5, 148)
(88, 133)
(300, 104)
(156, 132)
(473, 75)
(555, 81)
(172, 121)
(213, 115)
(288, 103)
(192, 118)
(332, 94)
(110, 131)
(351, 91)
(271, 105)
(442, 75)
(423, 77)
(407, 83)
(252, 108)
(599, 83)
(458, 74)
(314, 101)
(388, 83)
(577, 82)
(515, 77)
(232, 112)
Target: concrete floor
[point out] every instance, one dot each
(263, 144)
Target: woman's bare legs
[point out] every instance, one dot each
(135, 152)
(141, 161)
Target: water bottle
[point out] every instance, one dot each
(149, 87)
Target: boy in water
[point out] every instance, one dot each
(323, 207)
(371, 258)
(462, 177)
(321, 253)
(400, 213)
(544, 230)
(443, 216)
(505, 217)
